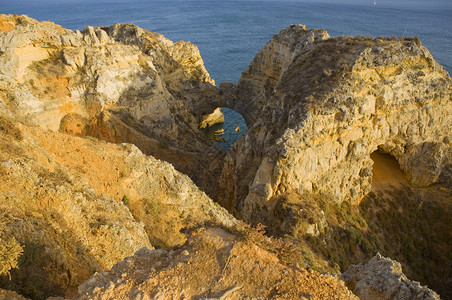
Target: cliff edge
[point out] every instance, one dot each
(348, 153)
(324, 106)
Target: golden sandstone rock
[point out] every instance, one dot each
(321, 113)
(238, 269)
(324, 106)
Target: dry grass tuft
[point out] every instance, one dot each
(10, 251)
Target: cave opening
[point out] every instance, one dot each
(386, 169)
(223, 131)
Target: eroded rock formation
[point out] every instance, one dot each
(211, 119)
(118, 83)
(323, 106)
(227, 267)
(382, 278)
(80, 205)
(316, 108)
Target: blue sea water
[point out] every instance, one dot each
(233, 127)
(229, 33)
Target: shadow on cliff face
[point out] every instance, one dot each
(415, 229)
(410, 225)
(31, 279)
(53, 264)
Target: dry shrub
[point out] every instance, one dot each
(9, 254)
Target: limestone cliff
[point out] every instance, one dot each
(321, 113)
(326, 105)
(119, 83)
(318, 121)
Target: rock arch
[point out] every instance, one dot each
(336, 103)
(228, 97)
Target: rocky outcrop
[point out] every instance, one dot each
(326, 109)
(49, 72)
(79, 206)
(382, 278)
(211, 119)
(165, 200)
(258, 81)
(119, 83)
(317, 109)
(213, 264)
(67, 230)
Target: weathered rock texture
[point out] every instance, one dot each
(382, 278)
(316, 109)
(323, 105)
(211, 119)
(79, 206)
(67, 229)
(226, 267)
(118, 83)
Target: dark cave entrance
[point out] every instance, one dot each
(386, 169)
(224, 134)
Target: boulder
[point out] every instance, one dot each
(382, 278)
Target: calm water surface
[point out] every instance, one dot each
(229, 33)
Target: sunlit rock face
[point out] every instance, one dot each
(193, 270)
(322, 113)
(119, 83)
(211, 119)
(80, 205)
(49, 71)
(316, 107)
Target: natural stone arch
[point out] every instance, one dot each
(331, 112)
(228, 97)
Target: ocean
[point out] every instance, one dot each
(229, 33)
